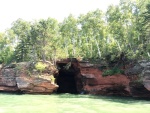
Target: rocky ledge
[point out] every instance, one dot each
(135, 81)
(18, 78)
(77, 77)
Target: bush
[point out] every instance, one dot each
(112, 72)
(40, 66)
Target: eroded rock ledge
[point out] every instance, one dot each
(134, 82)
(88, 79)
(18, 78)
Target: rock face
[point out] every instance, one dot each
(140, 87)
(77, 77)
(89, 80)
(35, 85)
(95, 83)
(7, 80)
(138, 90)
(135, 82)
(146, 77)
(19, 79)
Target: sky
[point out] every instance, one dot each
(30, 10)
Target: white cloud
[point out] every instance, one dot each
(11, 10)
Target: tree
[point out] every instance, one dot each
(43, 33)
(92, 34)
(21, 30)
(124, 30)
(146, 29)
(69, 33)
(125, 26)
(6, 48)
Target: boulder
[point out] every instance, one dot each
(7, 80)
(19, 78)
(35, 85)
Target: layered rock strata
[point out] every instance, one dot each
(19, 79)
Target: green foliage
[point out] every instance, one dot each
(21, 30)
(40, 66)
(112, 71)
(6, 49)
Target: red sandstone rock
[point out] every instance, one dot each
(95, 83)
(88, 78)
(18, 79)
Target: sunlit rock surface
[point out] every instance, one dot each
(19, 79)
(35, 85)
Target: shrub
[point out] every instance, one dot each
(40, 66)
(107, 72)
(112, 72)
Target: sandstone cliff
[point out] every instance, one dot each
(77, 77)
(89, 79)
(19, 78)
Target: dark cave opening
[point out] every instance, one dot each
(66, 80)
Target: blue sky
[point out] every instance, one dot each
(11, 10)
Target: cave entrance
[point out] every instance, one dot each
(67, 79)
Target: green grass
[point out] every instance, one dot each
(68, 103)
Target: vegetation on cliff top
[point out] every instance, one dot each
(123, 30)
